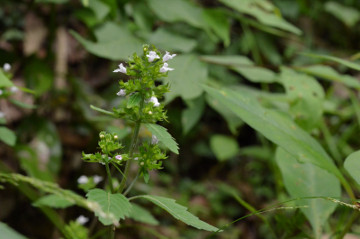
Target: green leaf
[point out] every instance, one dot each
(142, 215)
(192, 114)
(179, 212)
(99, 8)
(187, 77)
(54, 201)
(276, 127)
(9, 233)
(4, 81)
(7, 136)
(306, 97)
(224, 147)
(114, 42)
(177, 11)
(228, 60)
(308, 180)
(219, 22)
(172, 41)
(264, 12)
(22, 104)
(163, 136)
(134, 100)
(346, 63)
(349, 16)
(328, 73)
(115, 204)
(102, 110)
(352, 165)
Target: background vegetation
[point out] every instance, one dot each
(299, 59)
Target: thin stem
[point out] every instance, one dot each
(109, 177)
(353, 217)
(131, 185)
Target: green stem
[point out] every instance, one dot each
(109, 177)
(131, 185)
(132, 146)
(353, 217)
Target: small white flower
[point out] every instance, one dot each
(122, 92)
(1, 92)
(136, 158)
(82, 220)
(165, 68)
(118, 157)
(7, 67)
(97, 179)
(121, 69)
(2, 115)
(14, 89)
(154, 100)
(83, 179)
(168, 56)
(152, 56)
(154, 139)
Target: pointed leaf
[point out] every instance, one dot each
(163, 136)
(4, 81)
(224, 147)
(346, 63)
(54, 201)
(9, 233)
(179, 212)
(352, 165)
(115, 204)
(7, 136)
(142, 215)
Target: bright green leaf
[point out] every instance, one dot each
(179, 212)
(4, 81)
(9, 233)
(142, 215)
(115, 204)
(224, 147)
(7, 136)
(352, 165)
(99, 8)
(134, 100)
(308, 180)
(347, 15)
(163, 136)
(54, 201)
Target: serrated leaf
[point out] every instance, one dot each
(308, 180)
(4, 81)
(179, 212)
(7, 136)
(115, 204)
(54, 201)
(352, 165)
(276, 127)
(163, 136)
(142, 215)
(346, 63)
(224, 147)
(134, 100)
(9, 233)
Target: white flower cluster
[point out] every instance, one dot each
(84, 179)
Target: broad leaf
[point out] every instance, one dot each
(115, 204)
(7, 136)
(114, 42)
(9, 233)
(54, 201)
(4, 81)
(163, 136)
(352, 165)
(142, 215)
(346, 63)
(186, 79)
(179, 212)
(308, 180)
(276, 127)
(224, 147)
(219, 22)
(347, 15)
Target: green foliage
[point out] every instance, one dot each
(224, 147)
(352, 165)
(7, 232)
(54, 201)
(163, 136)
(7, 136)
(75, 230)
(140, 214)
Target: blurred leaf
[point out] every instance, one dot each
(352, 165)
(228, 60)
(219, 22)
(306, 97)
(22, 104)
(163, 136)
(99, 8)
(114, 42)
(4, 81)
(349, 16)
(224, 147)
(187, 77)
(142, 215)
(7, 136)
(328, 73)
(102, 110)
(120, 132)
(264, 16)
(54, 201)
(116, 204)
(346, 63)
(171, 41)
(39, 76)
(9, 233)
(276, 127)
(308, 180)
(179, 10)
(179, 212)
(192, 114)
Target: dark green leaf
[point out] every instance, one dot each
(163, 136)
(142, 215)
(54, 201)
